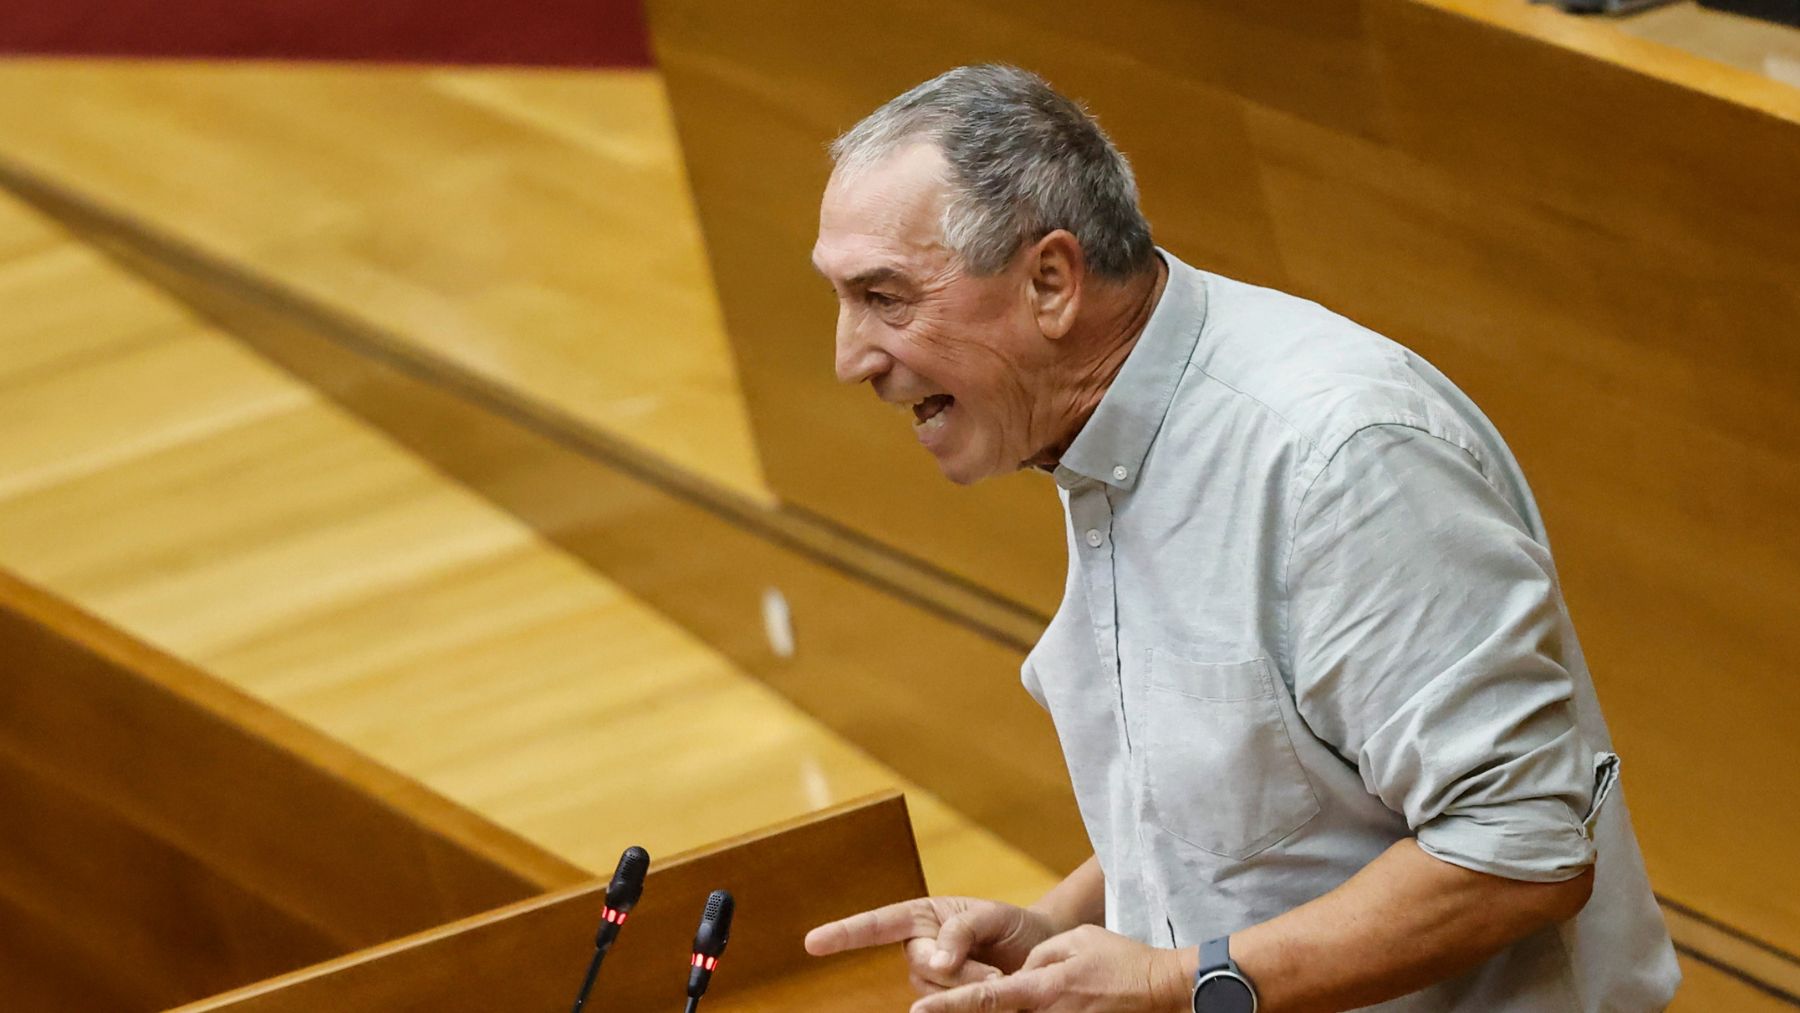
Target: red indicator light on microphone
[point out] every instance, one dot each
(704, 962)
(614, 916)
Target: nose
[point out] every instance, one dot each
(858, 358)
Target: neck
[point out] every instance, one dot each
(1121, 315)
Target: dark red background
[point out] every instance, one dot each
(576, 33)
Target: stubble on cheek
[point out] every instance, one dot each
(959, 339)
(1001, 408)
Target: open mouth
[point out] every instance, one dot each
(930, 413)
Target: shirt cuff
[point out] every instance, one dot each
(1537, 840)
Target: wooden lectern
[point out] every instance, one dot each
(530, 955)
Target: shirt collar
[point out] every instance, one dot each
(1112, 446)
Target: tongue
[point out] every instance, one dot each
(929, 407)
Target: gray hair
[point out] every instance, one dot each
(1023, 162)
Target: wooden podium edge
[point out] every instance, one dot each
(1597, 40)
(886, 808)
(407, 798)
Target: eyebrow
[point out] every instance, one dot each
(872, 276)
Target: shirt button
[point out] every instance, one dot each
(1119, 473)
(1094, 538)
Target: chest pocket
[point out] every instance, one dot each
(1220, 771)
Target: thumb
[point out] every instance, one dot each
(962, 932)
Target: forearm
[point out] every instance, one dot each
(1080, 899)
(1407, 920)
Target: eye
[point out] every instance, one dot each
(882, 300)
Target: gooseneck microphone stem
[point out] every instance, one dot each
(693, 1004)
(587, 982)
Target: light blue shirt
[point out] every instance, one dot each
(1311, 611)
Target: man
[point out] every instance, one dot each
(1328, 724)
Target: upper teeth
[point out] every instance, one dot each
(937, 417)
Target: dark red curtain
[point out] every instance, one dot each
(578, 33)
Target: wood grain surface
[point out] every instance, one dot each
(167, 837)
(531, 225)
(581, 295)
(171, 480)
(703, 558)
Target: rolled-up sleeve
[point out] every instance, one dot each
(1427, 641)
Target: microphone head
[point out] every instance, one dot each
(628, 880)
(715, 924)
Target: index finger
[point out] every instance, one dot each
(895, 923)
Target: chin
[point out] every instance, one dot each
(963, 474)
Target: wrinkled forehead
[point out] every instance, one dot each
(892, 207)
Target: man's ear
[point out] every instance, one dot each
(1057, 271)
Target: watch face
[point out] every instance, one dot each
(1224, 992)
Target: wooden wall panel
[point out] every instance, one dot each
(1309, 57)
(1597, 237)
(167, 837)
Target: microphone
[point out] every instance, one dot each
(621, 896)
(709, 945)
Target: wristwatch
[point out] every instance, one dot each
(1219, 987)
